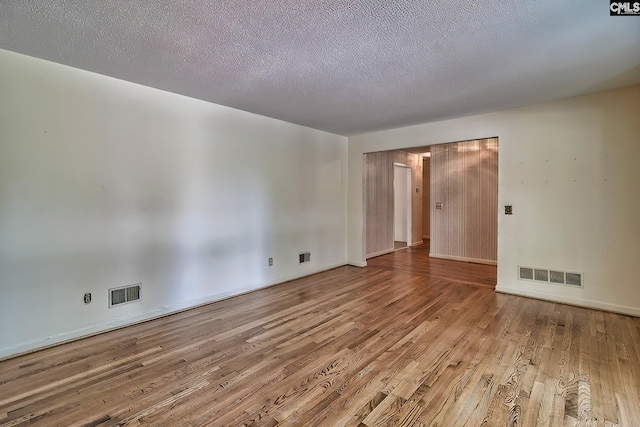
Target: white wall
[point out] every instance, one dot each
(400, 204)
(571, 170)
(105, 183)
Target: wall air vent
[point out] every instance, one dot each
(574, 279)
(541, 275)
(304, 257)
(556, 277)
(550, 276)
(525, 273)
(125, 294)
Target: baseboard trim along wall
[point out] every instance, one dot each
(357, 264)
(96, 329)
(375, 254)
(620, 309)
(459, 258)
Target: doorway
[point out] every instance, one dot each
(401, 206)
(458, 197)
(426, 197)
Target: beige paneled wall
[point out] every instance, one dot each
(378, 199)
(464, 178)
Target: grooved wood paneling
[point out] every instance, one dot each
(464, 177)
(378, 202)
(378, 198)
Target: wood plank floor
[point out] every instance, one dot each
(407, 341)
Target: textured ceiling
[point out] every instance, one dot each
(343, 66)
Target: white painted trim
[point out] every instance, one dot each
(384, 252)
(615, 308)
(357, 264)
(460, 258)
(417, 243)
(99, 328)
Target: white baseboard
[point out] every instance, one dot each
(357, 263)
(99, 328)
(459, 258)
(598, 305)
(375, 254)
(417, 243)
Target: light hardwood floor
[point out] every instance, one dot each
(408, 341)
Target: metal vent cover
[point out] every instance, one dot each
(304, 257)
(125, 294)
(526, 273)
(574, 279)
(556, 277)
(541, 275)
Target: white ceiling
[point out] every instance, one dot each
(342, 66)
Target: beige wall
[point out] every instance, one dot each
(464, 178)
(105, 183)
(378, 198)
(570, 170)
(378, 183)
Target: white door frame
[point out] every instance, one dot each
(408, 199)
